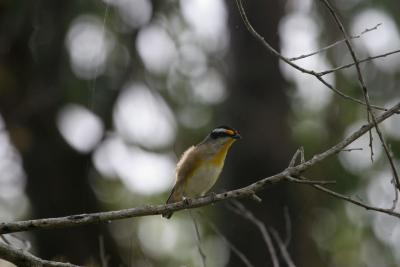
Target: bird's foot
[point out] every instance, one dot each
(213, 196)
(187, 201)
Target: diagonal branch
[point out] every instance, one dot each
(198, 239)
(288, 226)
(335, 43)
(306, 181)
(248, 191)
(352, 200)
(322, 73)
(282, 248)
(365, 92)
(294, 65)
(22, 257)
(240, 210)
(234, 249)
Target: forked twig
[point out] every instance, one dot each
(322, 73)
(287, 61)
(239, 209)
(22, 257)
(352, 200)
(363, 86)
(234, 249)
(282, 248)
(335, 44)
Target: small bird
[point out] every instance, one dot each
(200, 166)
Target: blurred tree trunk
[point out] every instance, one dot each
(255, 81)
(34, 61)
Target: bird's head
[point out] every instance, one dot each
(225, 132)
(222, 135)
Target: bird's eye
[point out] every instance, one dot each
(215, 135)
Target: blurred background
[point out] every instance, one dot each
(98, 99)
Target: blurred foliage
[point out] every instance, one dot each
(99, 99)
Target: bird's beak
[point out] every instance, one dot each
(237, 136)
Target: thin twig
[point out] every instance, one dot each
(288, 226)
(4, 239)
(396, 191)
(234, 249)
(359, 73)
(352, 149)
(302, 157)
(365, 93)
(282, 248)
(198, 239)
(287, 61)
(22, 257)
(295, 156)
(239, 209)
(335, 43)
(303, 181)
(102, 251)
(354, 201)
(396, 194)
(322, 73)
(102, 46)
(131, 250)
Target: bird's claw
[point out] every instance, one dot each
(187, 201)
(213, 196)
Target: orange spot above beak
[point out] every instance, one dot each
(229, 132)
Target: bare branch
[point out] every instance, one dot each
(322, 73)
(288, 226)
(335, 43)
(396, 194)
(103, 257)
(256, 198)
(282, 248)
(234, 249)
(239, 209)
(287, 61)
(365, 92)
(354, 201)
(245, 192)
(198, 239)
(305, 181)
(22, 257)
(396, 191)
(299, 152)
(352, 149)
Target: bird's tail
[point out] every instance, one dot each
(170, 200)
(167, 214)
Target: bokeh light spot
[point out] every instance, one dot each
(89, 44)
(156, 48)
(143, 117)
(135, 13)
(140, 171)
(212, 31)
(385, 39)
(80, 127)
(209, 89)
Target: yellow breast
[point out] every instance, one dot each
(219, 157)
(197, 174)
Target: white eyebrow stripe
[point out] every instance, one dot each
(219, 130)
